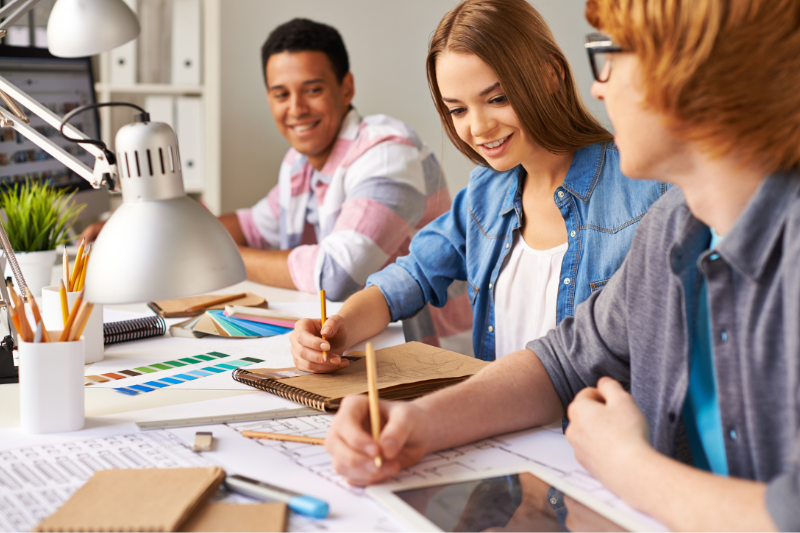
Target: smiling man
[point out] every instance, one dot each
(351, 191)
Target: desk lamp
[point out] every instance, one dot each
(159, 243)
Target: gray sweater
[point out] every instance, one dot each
(637, 331)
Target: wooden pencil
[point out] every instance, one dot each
(72, 314)
(15, 318)
(19, 303)
(37, 316)
(75, 268)
(283, 437)
(84, 320)
(212, 303)
(374, 407)
(323, 314)
(64, 303)
(80, 319)
(65, 266)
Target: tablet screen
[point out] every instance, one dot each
(518, 502)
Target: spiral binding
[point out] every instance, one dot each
(131, 330)
(275, 386)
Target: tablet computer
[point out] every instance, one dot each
(523, 498)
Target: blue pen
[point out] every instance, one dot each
(306, 505)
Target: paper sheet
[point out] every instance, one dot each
(301, 467)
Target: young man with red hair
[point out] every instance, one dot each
(681, 377)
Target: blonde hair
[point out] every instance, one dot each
(724, 73)
(514, 40)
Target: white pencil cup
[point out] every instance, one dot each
(54, 319)
(51, 385)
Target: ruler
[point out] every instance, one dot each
(245, 417)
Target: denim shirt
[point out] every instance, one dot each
(601, 209)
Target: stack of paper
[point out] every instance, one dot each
(222, 324)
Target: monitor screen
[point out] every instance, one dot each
(60, 84)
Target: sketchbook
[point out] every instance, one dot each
(405, 372)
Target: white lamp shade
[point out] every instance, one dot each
(79, 28)
(159, 250)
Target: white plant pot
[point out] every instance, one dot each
(36, 267)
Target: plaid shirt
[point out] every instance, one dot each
(380, 185)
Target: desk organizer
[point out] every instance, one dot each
(51, 385)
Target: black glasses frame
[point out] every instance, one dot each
(598, 43)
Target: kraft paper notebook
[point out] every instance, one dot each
(405, 372)
(238, 517)
(136, 500)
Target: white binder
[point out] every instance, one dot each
(186, 42)
(123, 59)
(189, 122)
(161, 109)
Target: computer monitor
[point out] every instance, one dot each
(61, 84)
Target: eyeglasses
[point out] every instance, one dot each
(600, 47)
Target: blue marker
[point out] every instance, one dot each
(262, 491)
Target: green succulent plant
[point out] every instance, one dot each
(38, 216)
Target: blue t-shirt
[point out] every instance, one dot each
(701, 413)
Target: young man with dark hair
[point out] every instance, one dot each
(351, 191)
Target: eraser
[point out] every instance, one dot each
(202, 441)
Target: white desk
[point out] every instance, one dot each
(308, 469)
(107, 401)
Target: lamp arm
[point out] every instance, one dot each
(22, 7)
(21, 124)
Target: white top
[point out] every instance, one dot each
(525, 296)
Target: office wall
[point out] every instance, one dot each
(387, 42)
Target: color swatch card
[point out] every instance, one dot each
(141, 379)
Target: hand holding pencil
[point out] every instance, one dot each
(308, 342)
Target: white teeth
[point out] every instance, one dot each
(301, 129)
(496, 143)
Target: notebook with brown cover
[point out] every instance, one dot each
(405, 372)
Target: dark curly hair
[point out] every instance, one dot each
(300, 35)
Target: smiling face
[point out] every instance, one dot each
(307, 101)
(647, 148)
(481, 113)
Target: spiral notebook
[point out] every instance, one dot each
(405, 372)
(131, 330)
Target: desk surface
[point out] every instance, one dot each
(106, 401)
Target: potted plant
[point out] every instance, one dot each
(37, 219)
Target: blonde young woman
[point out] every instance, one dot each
(701, 321)
(547, 216)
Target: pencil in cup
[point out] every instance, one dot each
(90, 322)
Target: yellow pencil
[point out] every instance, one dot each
(323, 313)
(82, 277)
(72, 314)
(374, 408)
(64, 304)
(76, 267)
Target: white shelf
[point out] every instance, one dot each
(149, 88)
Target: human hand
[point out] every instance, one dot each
(92, 231)
(308, 344)
(402, 443)
(607, 430)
